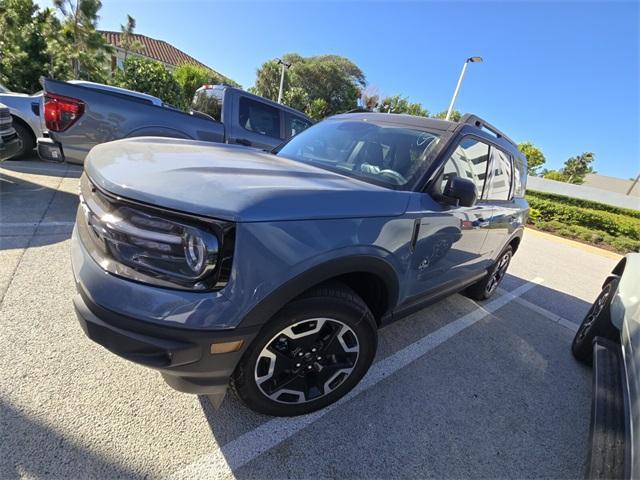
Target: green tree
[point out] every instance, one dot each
(23, 44)
(190, 78)
(148, 76)
(557, 175)
(399, 104)
(455, 115)
(129, 42)
(535, 157)
(318, 109)
(334, 79)
(575, 168)
(84, 47)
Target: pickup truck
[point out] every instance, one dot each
(10, 143)
(79, 117)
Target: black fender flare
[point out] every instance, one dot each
(299, 284)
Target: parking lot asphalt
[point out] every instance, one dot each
(460, 389)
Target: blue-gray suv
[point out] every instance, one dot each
(272, 272)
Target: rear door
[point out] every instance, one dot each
(257, 124)
(449, 240)
(499, 193)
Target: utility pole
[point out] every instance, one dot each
(633, 184)
(455, 93)
(284, 65)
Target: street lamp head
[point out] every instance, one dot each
(474, 59)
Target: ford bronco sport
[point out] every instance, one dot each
(272, 272)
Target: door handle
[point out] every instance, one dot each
(481, 223)
(243, 141)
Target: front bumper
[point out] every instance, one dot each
(9, 148)
(182, 356)
(168, 330)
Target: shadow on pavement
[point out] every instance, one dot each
(32, 449)
(32, 213)
(512, 394)
(567, 306)
(39, 167)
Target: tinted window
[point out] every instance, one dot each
(469, 160)
(381, 153)
(519, 178)
(294, 125)
(259, 118)
(209, 101)
(500, 177)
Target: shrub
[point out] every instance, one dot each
(148, 76)
(614, 224)
(621, 244)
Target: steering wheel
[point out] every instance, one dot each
(392, 174)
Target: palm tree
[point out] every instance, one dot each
(128, 41)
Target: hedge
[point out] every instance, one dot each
(615, 224)
(578, 202)
(621, 244)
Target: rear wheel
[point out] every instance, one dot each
(314, 351)
(28, 141)
(486, 287)
(597, 323)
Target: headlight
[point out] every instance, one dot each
(152, 245)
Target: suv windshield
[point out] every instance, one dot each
(379, 153)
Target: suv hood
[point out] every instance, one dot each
(232, 182)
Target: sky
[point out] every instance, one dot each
(563, 75)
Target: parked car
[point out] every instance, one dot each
(79, 117)
(25, 110)
(10, 143)
(274, 271)
(609, 339)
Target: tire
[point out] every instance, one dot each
(28, 140)
(486, 287)
(597, 323)
(325, 341)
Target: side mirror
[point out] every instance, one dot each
(460, 191)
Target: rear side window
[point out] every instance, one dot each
(294, 125)
(519, 178)
(499, 187)
(469, 160)
(208, 101)
(259, 118)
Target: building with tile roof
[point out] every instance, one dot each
(158, 50)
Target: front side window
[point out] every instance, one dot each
(259, 118)
(294, 125)
(499, 187)
(469, 160)
(385, 154)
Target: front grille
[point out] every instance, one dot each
(4, 114)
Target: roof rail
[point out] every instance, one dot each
(471, 119)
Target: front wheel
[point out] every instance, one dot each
(597, 323)
(314, 351)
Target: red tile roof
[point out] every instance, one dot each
(156, 49)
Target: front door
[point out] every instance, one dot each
(449, 240)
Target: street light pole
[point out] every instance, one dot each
(455, 93)
(284, 65)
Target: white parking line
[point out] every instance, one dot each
(568, 324)
(222, 462)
